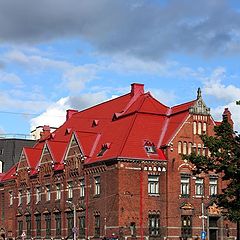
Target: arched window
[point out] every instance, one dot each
(179, 147)
(204, 127)
(199, 128)
(194, 127)
(184, 148)
(189, 148)
(1, 166)
(199, 149)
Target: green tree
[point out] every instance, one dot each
(224, 159)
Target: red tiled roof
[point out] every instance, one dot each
(138, 118)
(10, 174)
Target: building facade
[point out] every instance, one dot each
(115, 170)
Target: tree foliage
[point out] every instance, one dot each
(224, 159)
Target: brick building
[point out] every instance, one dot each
(115, 170)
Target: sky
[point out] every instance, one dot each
(72, 54)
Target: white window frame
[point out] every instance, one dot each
(82, 188)
(70, 190)
(97, 187)
(19, 197)
(153, 185)
(58, 191)
(48, 193)
(199, 187)
(38, 194)
(185, 186)
(10, 198)
(213, 186)
(28, 196)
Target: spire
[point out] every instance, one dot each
(199, 93)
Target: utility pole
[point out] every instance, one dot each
(74, 220)
(203, 217)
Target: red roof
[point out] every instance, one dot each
(117, 128)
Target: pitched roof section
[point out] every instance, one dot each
(118, 128)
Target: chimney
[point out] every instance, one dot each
(70, 112)
(228, 116)
(137, 89)
(45, 131)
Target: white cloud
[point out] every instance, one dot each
(213, 86)
(54, 115)
(10, 78)
(235, 111)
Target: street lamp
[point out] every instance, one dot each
(74, 220)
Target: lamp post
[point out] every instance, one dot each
(74, 229)
(203, 217)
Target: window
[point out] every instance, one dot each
(97, 185)
(133, 229)
(204, 151)
(204, 128)
(82, 227)
(58, 224)
(38, 225)
(189, 148)
(97, 226)
(28, 196)
(179, 147)
(82, 188)
(153, 184)
(199, 128)
(70, 223)
(28, 222)
(10, 198)
(38, 194)
(186, 230)
(70, 190)
(48, 193)
(154, 224)
(194, 127)
(213, 184)
(150, 148)
(184, 148)
(19, 197)
(185, 180)
(20, 227)
(199, 149)
(199, 187)
(58, 191)
(48, 224)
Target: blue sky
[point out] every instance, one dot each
(61, 54)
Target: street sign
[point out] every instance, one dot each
(23, 235)
(203, 235)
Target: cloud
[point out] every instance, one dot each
(55, 114)
(235, 111)
(147, 30)
(213, 86)
(10, 78)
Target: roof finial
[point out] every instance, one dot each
(199, 93)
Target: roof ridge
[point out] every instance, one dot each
(127, 134)
(183, 103)
(165, 126)
(113, 99)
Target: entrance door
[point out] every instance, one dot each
(213, 228)
(213, 234)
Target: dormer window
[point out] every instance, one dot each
(150, 147)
